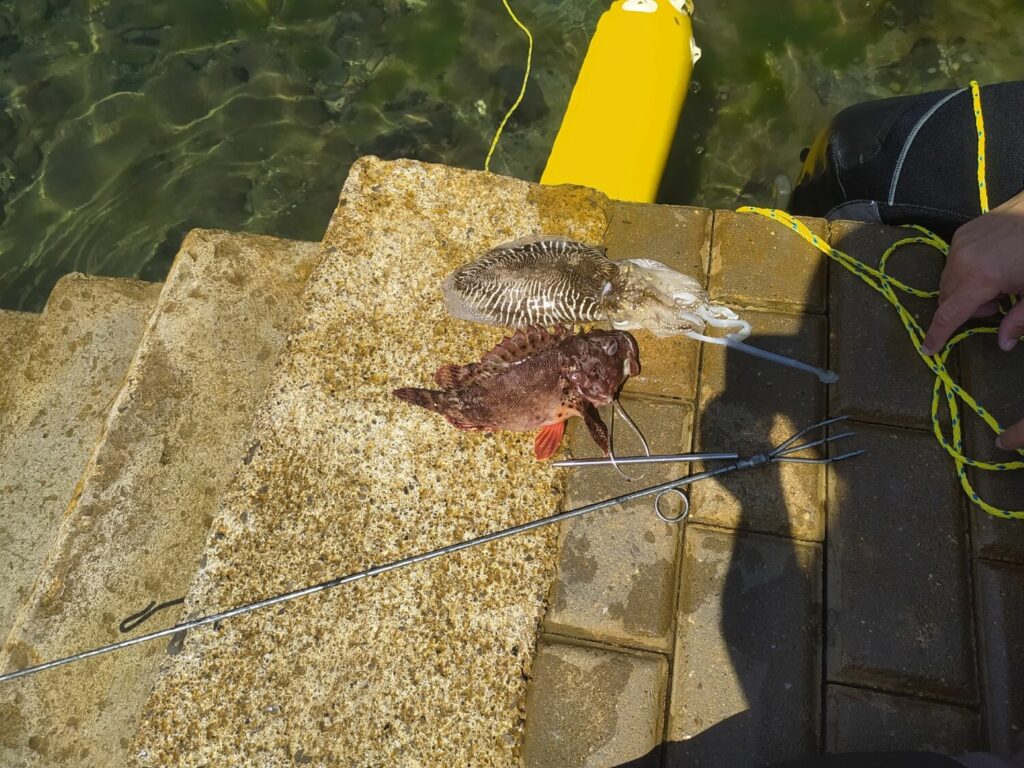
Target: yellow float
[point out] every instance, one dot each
(624, 108)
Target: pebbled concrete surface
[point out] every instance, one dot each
(137, 527)
(17, 330)
(60, 395)
(426, 665)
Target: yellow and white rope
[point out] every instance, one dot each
(888, 286)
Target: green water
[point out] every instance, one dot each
(126, 123)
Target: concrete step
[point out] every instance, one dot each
(17, 330)
(147, 497)
(422, 666)
(60, 392)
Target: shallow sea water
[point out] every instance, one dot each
(125, 123)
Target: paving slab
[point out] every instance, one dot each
(993, 377)
(747, 667)
(617, 568)
(60, 396)
(868, 721)
(882, 378)
(899, 608)
(17, 329)
(749, 405)
(422, 666)
(1001, 633)
(590, 707)
(139, 522)
(757, 262)
(679, 237)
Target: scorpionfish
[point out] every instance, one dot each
(535, 379)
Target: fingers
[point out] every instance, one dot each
(1011, 328)
(1011, 438)
(987, 309)
(951, 313)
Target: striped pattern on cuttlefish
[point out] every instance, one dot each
(535, 379)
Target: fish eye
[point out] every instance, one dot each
(611, 347)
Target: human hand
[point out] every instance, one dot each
(986, 260)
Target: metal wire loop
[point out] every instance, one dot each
(683, 513)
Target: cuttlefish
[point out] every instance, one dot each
(543, 280)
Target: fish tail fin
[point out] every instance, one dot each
(431, 399)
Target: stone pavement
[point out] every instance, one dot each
(800, 609)
(867, 606)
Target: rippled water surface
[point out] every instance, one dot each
(126, 123)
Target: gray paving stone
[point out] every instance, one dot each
(898, 589)
(590, 707)
(1001, 632)
(616, 572)
(679, 237)
(757, 262)
(993, 377)
(867, 721)
(668, 367)
(747, 666)
(881, 377)
(748, 405)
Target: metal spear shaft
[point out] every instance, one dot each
(654, 490)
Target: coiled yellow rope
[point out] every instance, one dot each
(888, 286)
(522, 90)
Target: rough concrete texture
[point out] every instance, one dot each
(1001, 633)
(868, 721)
(746, 671)
(616, 569)
(591, 708)
(881, 376)
(60, 395)
(899, 592)
(146, 499)
(680, 238)
(994, 377)
(749, 405)
(756, 262)
(422, 666)
(17, 329)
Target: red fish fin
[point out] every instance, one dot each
(596, 427)
(459, 421)
(548, 440)
(430, 399)
(521, 344)
(454, 376)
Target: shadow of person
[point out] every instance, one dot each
(746, 681)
